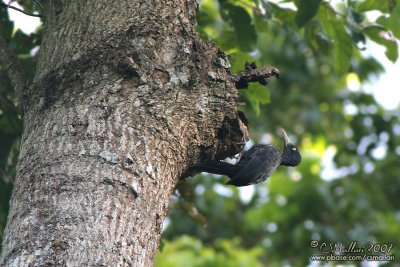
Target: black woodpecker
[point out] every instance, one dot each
(256, 164)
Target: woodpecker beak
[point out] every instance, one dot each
(285, 137)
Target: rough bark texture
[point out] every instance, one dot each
(125, 98)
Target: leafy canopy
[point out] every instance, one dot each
(347, 185)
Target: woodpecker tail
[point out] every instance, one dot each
(216, 167)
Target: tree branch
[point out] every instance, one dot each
(20, 10)
(252, 73)
(10, 63)
(6, 104)
(39, 5)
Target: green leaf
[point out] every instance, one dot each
(226, 40)
(246, 36)
(306, 10)
(342, 41)
(261, 23)
(324, 43)
(392, 22)
(317, 39)
(239, 60)
(358, 37)
(286, 15)
(257, 95)
(204, 19)
(378, 34)
(6, 26)
(190, 251)
(207, 14)
(240, 20)
(367, 5)
(357, 16)
(21, 43)
(268, 8)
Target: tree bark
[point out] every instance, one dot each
(125, 98)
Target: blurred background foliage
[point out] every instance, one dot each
(347, 186)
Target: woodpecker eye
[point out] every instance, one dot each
(293, 148)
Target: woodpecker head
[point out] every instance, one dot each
(291, 155)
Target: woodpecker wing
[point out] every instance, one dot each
(249, 155)
(256, 165)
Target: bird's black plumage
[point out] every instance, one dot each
(256, 164)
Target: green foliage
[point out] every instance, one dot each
(257, 95)
(392, 22)
(338, 32)
(369, 5)
(306, 10)
(187, 251)
(6, 26)
(341, 40)
(242, 29)
(375, 34)
(318, 52)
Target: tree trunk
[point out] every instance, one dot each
(126, 97)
